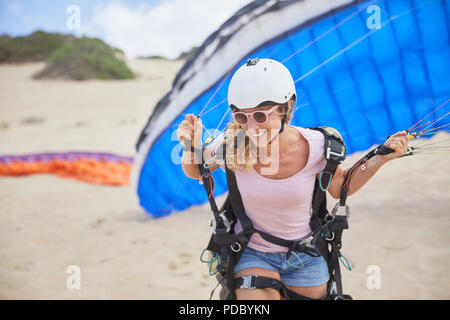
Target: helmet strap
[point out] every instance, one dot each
(283, 120)
(283, 123)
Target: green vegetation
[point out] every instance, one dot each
(67, 56)
(37, 46)
(86, 58)
(187, 54)
(153, 57)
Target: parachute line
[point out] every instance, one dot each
(357, 41)
(414, 126)
(201, 114)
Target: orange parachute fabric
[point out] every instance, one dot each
(98, 168)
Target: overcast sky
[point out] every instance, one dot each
(139, 27)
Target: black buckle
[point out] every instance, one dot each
(304, 246)
(248, 282)
(335, 150)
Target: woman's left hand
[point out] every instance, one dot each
(399, 143)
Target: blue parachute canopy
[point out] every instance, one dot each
(366, 68)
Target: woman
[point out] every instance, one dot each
(276, 178)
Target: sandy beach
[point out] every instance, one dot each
(399, 221)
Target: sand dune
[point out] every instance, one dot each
(399, 221)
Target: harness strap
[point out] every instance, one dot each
(236, 201)
(257, 282)
(207, 180)
(208, 184)
(254, 281)
(319, 207)
(334, 154)
(340, 223)
(302, 246)
(319, 223)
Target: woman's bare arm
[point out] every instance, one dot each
(398, 142)
(359, 178)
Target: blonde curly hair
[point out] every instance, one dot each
(240, 147)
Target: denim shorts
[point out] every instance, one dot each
(301, 270)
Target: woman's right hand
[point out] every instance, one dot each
(190, 129)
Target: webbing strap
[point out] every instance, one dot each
(340, 223)
(334, 152)
(257, 282)
(247, 225)
(319, 206)
(254, 281)
(236, 202)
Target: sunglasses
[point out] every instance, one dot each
(259, 116)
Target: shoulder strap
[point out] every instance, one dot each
(236, 201)
(334, 151)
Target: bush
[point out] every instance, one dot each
(86, 58)
(38, 46)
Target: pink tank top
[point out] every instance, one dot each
(280, 207)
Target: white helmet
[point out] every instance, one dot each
(260, 82)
